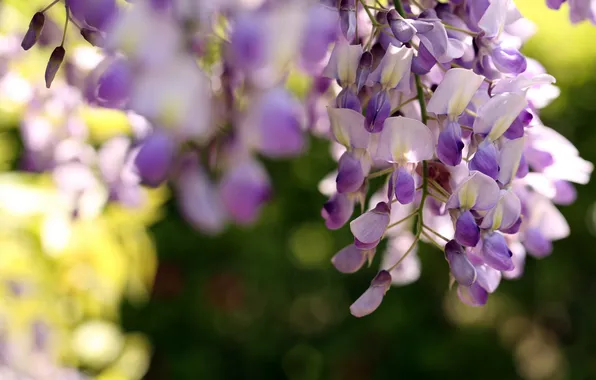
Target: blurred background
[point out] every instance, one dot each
(137, 293)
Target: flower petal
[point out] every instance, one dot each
(370, 226)
(348, 127)
(371, 299)
(405, 140)
(454, 92)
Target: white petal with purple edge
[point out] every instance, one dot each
(477, 192)
(370, 226)
(496, 115)
(393, 66)
(405, 140)
(348, 127)
(504, 214)
(455, 92)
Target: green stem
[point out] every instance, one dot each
(370, 16)
(421, 100)
(454, 28)
(420, 210)
(402, 220)
(435, 233)
(380, 173)
(399, 8)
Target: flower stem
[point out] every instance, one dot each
(380, 173)
(435, 233)
(402, 220)
(399, 8)
(456, 29)
(420, 210)
(370, 16)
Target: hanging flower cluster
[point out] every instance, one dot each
(451, 119)
(434, 96)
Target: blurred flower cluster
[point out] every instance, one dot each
(435, 98)
(69, 255)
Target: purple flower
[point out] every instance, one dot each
(461, 268)
(370, 226)
(155, 158)
(371, 299)
(244, 188)
(350, 259)
(496, 253)
(405, 187)
(337, 211)
(467, 232)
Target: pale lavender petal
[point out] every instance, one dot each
(494, 18)
(321, 30)
(565, 193)
(467, 232)
(366, 246)
(519, 260)
(370, 226)
(461, 268)
(496, 115)
(473, 295)
(348, 127)
(505, 214)
(477, 192)
(405, 187)
(394, 65)
(496, 253)
(244, 189)
(343, 63)
(405, 140)
(455, 92)
(514, 228)
(371, 299)
(509, 159)
(198, 199)
(508, 60)
(280, 126)
(349, 260)
(488, 278)
(248, 42)
(536, 243)
(347, 19)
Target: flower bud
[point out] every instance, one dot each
(377, 112)
(34, 31)
(461, 268)
(54, 64)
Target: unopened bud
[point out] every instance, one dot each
(54, 64)
(93, 37)
(35, 28)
